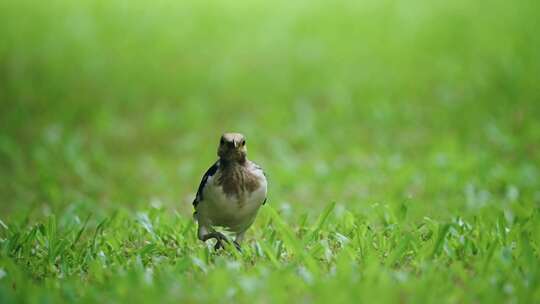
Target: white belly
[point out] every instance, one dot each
(234, 212)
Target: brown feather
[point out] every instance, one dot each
(236, 179)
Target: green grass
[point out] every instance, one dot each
(341, 257)
(401, 141)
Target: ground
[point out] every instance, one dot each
(400, 139)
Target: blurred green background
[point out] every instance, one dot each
(419, 119)
(120, 104)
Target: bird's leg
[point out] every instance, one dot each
(205, 233)
(238, 239)
(220, 238)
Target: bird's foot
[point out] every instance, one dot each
(237, 246)
(221, 239)
(220, 244)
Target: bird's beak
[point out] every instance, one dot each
(235, 144)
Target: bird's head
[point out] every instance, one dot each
(232, 147)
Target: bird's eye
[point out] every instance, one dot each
(221, 141)
(243, 142)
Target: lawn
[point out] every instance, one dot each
(401, 140)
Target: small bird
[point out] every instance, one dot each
(231, 192)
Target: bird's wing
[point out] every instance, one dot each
(264, 173)
(211, 171)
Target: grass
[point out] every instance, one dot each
(341, 257)
(400, 140)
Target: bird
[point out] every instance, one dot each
(230, 193)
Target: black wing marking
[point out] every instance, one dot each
(211, 171)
